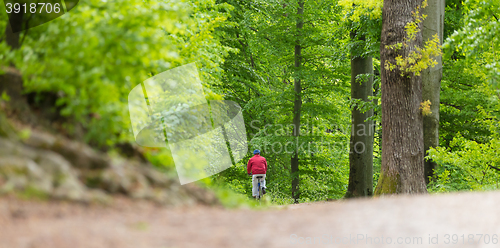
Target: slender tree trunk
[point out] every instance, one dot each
(15, 23)
(431, 81)
(402, 168)
(361, 145)
(297, 105)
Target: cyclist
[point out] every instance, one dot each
(257, 166)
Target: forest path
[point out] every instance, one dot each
(405, 221)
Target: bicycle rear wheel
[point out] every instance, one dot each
(260, 191)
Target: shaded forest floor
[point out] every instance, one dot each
(411, 220)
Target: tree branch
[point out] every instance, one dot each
(495, 168)
(235, 94)
(256, 31)
(26, 31)
(250, 87)
(452, 105)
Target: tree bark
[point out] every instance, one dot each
(294, 165)
(362, 131)
(431, 81)
(402, 169)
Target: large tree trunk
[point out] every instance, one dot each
(402, 168)
(297, 107)
(361, 145)
(431, 81)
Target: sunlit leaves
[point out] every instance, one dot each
(419, 58)
(370, 8)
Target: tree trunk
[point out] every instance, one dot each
(361, 145)
(297, 106)
(15, 23)
(402, 168)
(431, 81)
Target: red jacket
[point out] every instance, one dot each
(257, 165)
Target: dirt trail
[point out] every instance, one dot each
(404, 221)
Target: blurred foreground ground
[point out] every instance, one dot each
(408, 221)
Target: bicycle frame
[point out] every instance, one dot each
(259, 192)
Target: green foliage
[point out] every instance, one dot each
(468, 103)
(453, 17)
(359, 8)
(466, 165)
(479, 37)
(419, 58)
(260, 76)
(161, 158)
(468, 118)
(469, 107)
(94, 55)
(5, 97)
(363, 20)
(231, 199)
(442, 183)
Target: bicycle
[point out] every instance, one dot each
(261, 190)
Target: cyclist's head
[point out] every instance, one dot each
(256, 152)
